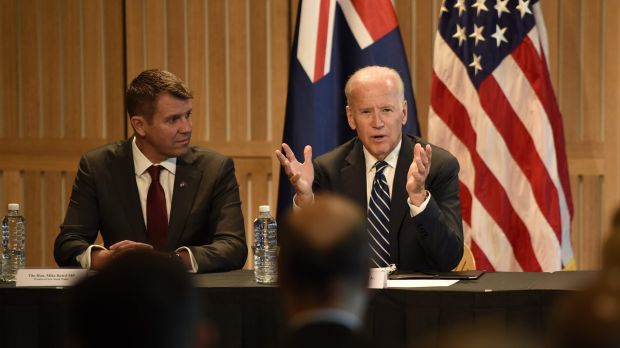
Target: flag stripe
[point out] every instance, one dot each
(377, 22)
(522, 148)
(321, 43)
(486, 189)
(536, 72)
(484, 230)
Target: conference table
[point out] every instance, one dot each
(247, 314)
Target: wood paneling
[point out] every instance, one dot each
(64, 65)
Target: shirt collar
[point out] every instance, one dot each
(391, 158)
(141, 163)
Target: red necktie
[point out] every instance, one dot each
(156, 213)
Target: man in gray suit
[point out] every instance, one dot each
(409, 188)
(191, 210)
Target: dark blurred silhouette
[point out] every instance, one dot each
(141, 299)
(591, 318)
(324, 273)
(480, 334)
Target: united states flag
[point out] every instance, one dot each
(493, 107)
(333, 39)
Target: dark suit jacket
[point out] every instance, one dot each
(325, 335)
(205, 214)
(433, 239)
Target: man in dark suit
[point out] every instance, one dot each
(414, 215)
(191, 210)
(323, 265)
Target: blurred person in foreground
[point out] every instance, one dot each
(323, 273)
(409, 187)
(141, 299)
(591, 318)
(154, 191)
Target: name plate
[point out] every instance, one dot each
(49, 276)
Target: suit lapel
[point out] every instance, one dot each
(186, 181)
(398, 204)
(354, 175)
(124, 180)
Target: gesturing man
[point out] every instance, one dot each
(408, 187)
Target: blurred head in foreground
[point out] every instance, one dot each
(323, 258)
(140, 299)
(591, 318)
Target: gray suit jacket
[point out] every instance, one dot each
(205, 214)
(433, 239)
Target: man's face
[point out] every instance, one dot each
(169, 132)
(377, 113)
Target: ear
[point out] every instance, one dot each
(404, 112)
(350, 118)
(138, 123)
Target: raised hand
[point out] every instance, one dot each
(301, 175)
(417, 174)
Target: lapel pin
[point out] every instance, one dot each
(182, 184)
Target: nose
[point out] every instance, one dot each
(185, 125)
(376, 120)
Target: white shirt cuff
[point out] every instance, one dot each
(413, 210)
(191, 257)
(295, 206)
(84, 258)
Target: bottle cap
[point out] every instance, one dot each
(263, 209)
(13, 206)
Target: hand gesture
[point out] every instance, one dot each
(418, 172)
(301, 175)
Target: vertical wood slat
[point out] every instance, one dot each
(9, 121)
(196, 80)
(175, 37)
(611, 105)
(551, 9)
(258, 71)
(134, 38)
(51, 81)
(238, 73)
(592, 223)
(52, 215)
(591, 78)
(155, 35)
(31, 210)
(280, 47)
(577, 224)
(93, 68)
(28, 69)
(71, 76)
(114, 69)
(570, 76)
(423, 60)
(217, 71)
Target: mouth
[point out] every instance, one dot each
(183, 142)
(378, 137)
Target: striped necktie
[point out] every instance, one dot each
(379, 218)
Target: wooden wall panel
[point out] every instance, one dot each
(61, 83)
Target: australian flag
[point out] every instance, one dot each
(333, 39)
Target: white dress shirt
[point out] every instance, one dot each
(143, 181)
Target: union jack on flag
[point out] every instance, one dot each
(333, 39)
(493, 107)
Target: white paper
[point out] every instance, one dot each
(419, 283)
(48, 276)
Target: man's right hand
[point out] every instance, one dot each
(99, 258)
(301, 175)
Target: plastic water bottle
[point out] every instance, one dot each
(265, 247)
(13, 243)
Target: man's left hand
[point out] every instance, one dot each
(418, 172)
